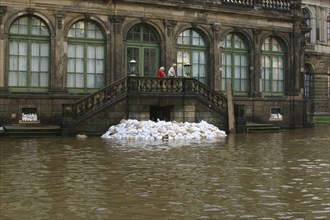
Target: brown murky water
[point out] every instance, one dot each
(247, 176)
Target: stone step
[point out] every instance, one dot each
(30, 131)
(262, 128)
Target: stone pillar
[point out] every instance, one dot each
(3, 10)
(59, 57)
(118, 45)
(170, 56)
(215, 81)
(298, 37)
(298, 54)
(255, 70)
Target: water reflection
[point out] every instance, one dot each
(283, 175)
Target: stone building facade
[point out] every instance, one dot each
(317, 58)
(54, 53)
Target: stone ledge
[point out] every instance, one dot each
(27, 123)
(275, 119)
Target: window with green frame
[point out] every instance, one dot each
(86, 57)
(29, 54)
(308, 77)
(272, 67)
(235, 64)
(142, 45)
(192, 49)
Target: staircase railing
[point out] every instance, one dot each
(88, 104)
(135, 85)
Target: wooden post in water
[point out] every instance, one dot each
(231, 110)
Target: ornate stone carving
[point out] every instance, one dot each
(118, 22)
(216, 31)
(30, 10)
(3, 10)
(169, 25)
(256, 33)
(59, 20)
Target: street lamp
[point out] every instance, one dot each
(132, 67)
(187, 69)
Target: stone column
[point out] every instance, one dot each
(215, 81)
(170, 56)
(3, 10)
(298, 36)
(117, 50)
(297, 54)
(59, 57)
(255, 70)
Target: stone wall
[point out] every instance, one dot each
(48, 109)
(320, 84)
(259, 111)
(138, 108)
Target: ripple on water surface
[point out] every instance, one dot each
(244, 176)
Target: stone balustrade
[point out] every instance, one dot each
(281, 5)
(141, 86)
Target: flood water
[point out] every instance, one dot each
(284, 175)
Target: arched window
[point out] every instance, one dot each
(272, 65)
(309, 24)
(234, 64)
(191, 48)
(29, 52)
(142, 45)
(328, 27)
(308, 81)
(86, 57)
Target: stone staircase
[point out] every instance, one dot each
(40, 130)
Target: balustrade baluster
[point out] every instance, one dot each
(283, 5)
(165, 85)
(159, 85)
(267, 3)
(96, 98)
(84, 107)
(287, 5)
(77, 109)
(154, 84)
(279, 4)
(274, 4)
(148, 85)
(142, 86)
(102, 96)
(89, 105)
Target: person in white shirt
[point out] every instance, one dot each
(172, 71)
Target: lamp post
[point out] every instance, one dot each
(187, 69)
(132, 67)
